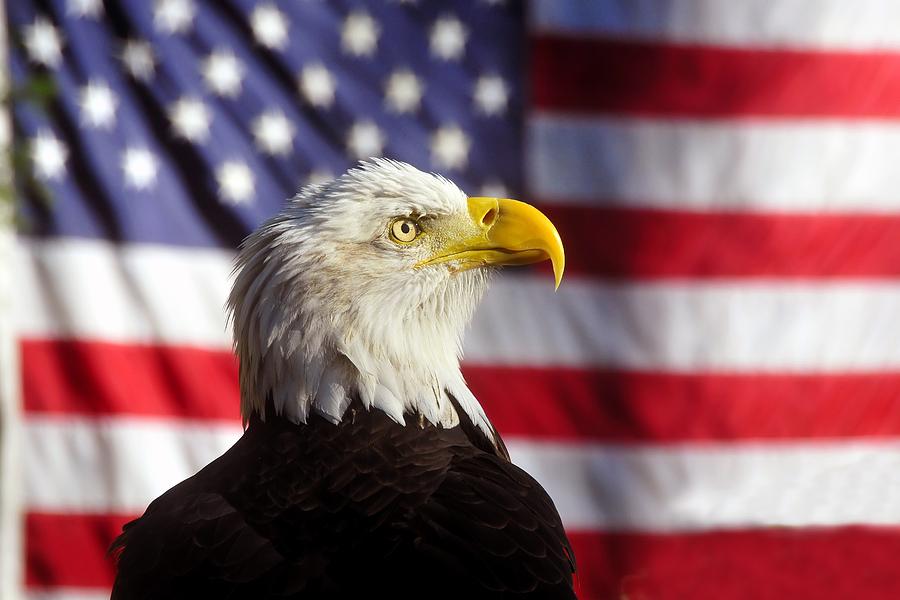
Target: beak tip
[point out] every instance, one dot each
(558, 267)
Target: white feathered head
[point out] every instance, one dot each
(362, 287)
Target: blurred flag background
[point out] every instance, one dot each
(712, 398)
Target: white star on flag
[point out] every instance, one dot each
(191, 119)
(235, 182)
(491, 95)
(270, 26)
(319, 176)
(448, 38)
(365, 140)
(404, 91)
(450, 147)
(91, 9)
(43, 43)
(137, 56)
(359, 36)
(98, 105)
(274, 132)
(317, 85)
(48, 155)
(223, 73)
(140, 167)
(493, 189)
(174, 16)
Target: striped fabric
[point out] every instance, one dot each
(712, 397)
(724, 174)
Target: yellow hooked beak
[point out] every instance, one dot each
(509, 232)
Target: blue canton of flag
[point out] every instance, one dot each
(184, 122)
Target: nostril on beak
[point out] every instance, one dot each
(489, 217)
(484, 212)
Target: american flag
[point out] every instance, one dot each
(712, 398)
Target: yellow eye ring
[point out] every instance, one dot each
(404, 230)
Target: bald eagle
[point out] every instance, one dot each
(367, 468)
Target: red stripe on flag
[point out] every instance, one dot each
(646, 243)
(70, 549)
(91, 378)
(656, 407)
(825, 564)
(596, 75)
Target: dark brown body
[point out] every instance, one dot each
(360, 508)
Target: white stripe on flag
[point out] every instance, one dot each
(144, 294)
(68, 593)
(857, 25)
(122, 293)
(774, 165)
(113, 465)
(689, 327)
(120, 465)
(660, 488)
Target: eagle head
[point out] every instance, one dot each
(362, 287)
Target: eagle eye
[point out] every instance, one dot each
(404, 230)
